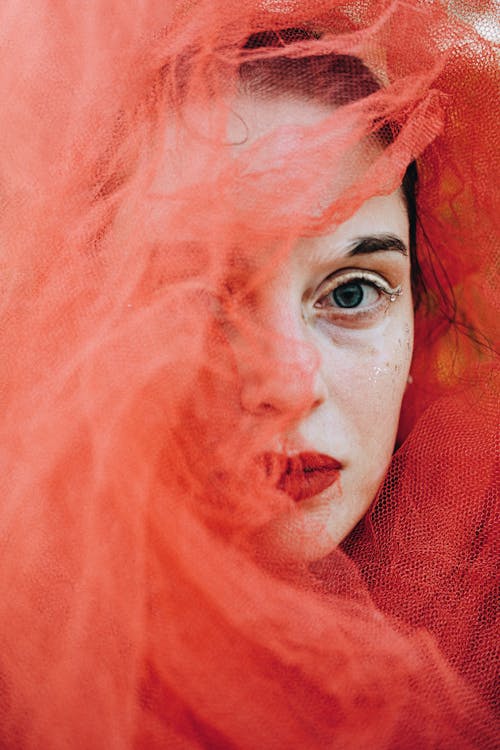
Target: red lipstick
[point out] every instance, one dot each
(303, 475)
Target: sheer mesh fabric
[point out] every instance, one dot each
(137, 609)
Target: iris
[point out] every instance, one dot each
(349, 295)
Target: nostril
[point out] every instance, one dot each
(267, 408)
(255, 402)
(281, 396)
(281, 382)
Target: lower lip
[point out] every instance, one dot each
(303, 475)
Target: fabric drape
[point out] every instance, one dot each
(137, 610)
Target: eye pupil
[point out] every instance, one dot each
(348, 295)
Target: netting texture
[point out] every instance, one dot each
(159, 588)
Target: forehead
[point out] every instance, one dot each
(379, 216)
(288, 125)
(254, 117)
(281, 162)
(282, 132)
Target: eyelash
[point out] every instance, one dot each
(356, 275)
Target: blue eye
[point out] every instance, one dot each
(349, 295)
(355, 289)
(354, 293)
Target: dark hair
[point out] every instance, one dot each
(337, 80)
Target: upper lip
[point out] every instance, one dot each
(301, 475)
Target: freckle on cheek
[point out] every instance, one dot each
(377, 373)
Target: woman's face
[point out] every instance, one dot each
(344, 301)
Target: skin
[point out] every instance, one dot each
(357, 359)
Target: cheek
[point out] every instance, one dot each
(367, 378)
(387, 366)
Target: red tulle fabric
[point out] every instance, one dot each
(135, 613)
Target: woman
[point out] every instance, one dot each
(211, 273)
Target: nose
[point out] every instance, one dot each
(281, 375)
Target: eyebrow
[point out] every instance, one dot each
(377, 243)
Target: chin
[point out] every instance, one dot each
(312, 528)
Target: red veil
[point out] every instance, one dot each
(134, 611)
